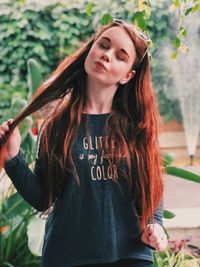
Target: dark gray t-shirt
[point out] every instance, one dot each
(91, 223)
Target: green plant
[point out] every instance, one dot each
(179, 172)
(34, 77)
(44, 32)
(181, 258)
(8, 93)
(15, 214)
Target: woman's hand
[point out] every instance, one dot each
(13, 142)
(155, 237)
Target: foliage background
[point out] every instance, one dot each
(51, 31)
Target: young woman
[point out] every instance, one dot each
(98, 170)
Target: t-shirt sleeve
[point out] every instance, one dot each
(27, 182)
(158, 215)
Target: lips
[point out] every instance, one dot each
(100, 65)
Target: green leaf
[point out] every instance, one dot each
(7, 264)
(155, 261)
(196, 8)
(165, 230)
(89, 9)
(176, 42)
(168, 214)
(188, 11)
(17, 106)
(183, 32)
(168, 159)
(36, 229)
(183, 174)
(139, 19)
(14, 206)
(106, 18)
(34, 77)
(147, 9)
(25, 126)
(174, 55)
(177, 3)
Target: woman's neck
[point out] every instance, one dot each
(99, 99)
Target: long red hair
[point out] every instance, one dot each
(133, 123)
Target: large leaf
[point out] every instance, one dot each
(13, 206)
(11, 226)
(25, 126)
(36, 229)
(17, 105)
(34, 77)
(183, 174)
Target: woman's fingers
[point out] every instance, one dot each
(13, 142)
(155, 236)
(4, 127)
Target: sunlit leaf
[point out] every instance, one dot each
(106, 19)
(174, 55)
(141, 5)
(36, 229)
(172, 8)
(177, 3)
(196, 8)
(89, 9)
(183, 32)
(184, 49)
(144, 5)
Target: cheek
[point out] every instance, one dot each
(89, 59)
(117, 69)
(92, 54)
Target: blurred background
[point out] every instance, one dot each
(36, 35)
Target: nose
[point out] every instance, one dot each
(107, 56)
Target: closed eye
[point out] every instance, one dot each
(120, 58)
(103, 45)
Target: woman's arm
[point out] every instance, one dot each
(29, 184)
(154, 235)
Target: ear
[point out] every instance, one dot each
(129, 76)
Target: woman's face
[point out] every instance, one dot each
(111, 57)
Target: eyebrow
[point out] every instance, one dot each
(108, 39)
